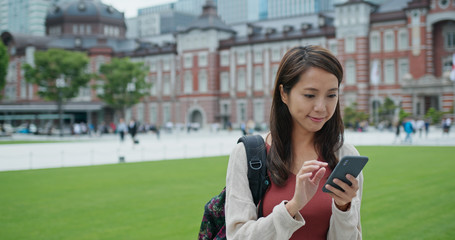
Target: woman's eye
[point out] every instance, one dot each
(309, 95)
(332, 95)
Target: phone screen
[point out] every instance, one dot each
(348, 165)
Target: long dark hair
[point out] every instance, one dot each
(327, 140)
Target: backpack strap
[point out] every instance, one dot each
(258, 179)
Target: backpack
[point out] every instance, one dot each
(213, 225)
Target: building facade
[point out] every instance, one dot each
(216, 73)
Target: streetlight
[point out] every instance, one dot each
(60, 83)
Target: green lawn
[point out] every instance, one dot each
(407, 195)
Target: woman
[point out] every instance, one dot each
(304, 145)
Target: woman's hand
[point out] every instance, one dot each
(306, 185)
(344, 199)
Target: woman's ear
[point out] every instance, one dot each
(284, 96)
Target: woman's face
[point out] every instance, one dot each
(312, 100)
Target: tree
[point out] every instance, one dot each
(352, 116)
(123, 83)
(59, 74)
(4, 60)
(387, 110)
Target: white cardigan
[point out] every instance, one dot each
(241, 212)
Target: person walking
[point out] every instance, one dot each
(304, 145)
(132, 130)
(420, 124)
(122, 129)
(409, 130)
(427, 127)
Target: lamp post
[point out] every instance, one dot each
(60, 83)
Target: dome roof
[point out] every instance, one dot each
(84, 8)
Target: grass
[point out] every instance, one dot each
(407, 195)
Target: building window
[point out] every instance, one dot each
(152, 66)
(88, 29)
(152, 80)
(166, 113)
(241, 83)
(166, 65)
(350, 72)
(241, 59)
(333, 47)
(23, 89)
(224, 58)
(389, 71)
(375, 43)
(449, 40)
(447, 64)
(166, 85)
(224, 77)
(140, 112)
(403, 68)
(241, 112)
(389, 42)
(202, 59)
(276, 55)
(258, 56)
(75, 28)
(188, 61)
(258, 114)
(99, 61)
(258, 83)
(202, 79)
(153, 114)
(443, 3)
(188, 88)
(349, 44)
(403, 39)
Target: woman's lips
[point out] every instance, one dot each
(316, 119)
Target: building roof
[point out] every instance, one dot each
(392, 6)
(208, 20)
(84, 8)
(21, 41)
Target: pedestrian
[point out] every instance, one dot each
(409, 130)
(446, 123)
(304, 145)
(132, 130)
(397, 131)
(420, 124)
(427, 127)
(122, 129)
(243, 128)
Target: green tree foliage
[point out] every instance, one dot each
(117, 80)
(56, 63)
(351, 115)
(434, 115)
(4, 60)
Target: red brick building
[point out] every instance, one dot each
(215, 73)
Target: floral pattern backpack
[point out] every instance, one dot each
(213, 226)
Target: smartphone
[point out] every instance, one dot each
(348, 165)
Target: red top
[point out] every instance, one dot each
(316, 213)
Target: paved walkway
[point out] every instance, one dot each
(107, 149)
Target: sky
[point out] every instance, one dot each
(130, 7)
